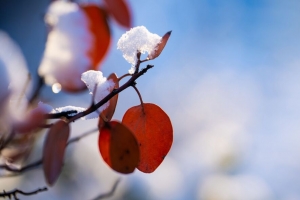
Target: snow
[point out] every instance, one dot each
(92, 115)
(70, 108)
(137, 39)
(92, 78)
(66, 54)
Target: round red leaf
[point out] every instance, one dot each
(153, 130)
(118, 147)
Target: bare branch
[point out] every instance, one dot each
(14, 193)
(129, 83)
(76, 139)
(65, 114)
(110, 193)
(39, 162)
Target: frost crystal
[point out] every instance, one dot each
(69, 41)
(137, 39)
(95, 78)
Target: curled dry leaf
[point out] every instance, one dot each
(110, 110)
(120, 11)
(153, 130)
(160, 46)
(118, 147)
(100, 30)
(54, 150)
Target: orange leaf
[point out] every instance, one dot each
(118, 147)
(100, 30)
(120, 11)
(160, 46)
(54, 150)
(153, 130)
(110, 110)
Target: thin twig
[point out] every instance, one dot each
(125, 75)
(7, 140)
(94, 107)
(110, 193)
(129, 83)
(76, 139)
(65, 114)
(39, 162)
(14, 193)
(21, 170)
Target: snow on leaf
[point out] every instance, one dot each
(110, 110)
(159, 47)
(137, 39)
(103, 86)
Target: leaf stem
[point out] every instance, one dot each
(94, 107)
(140, 97)
(125, 75)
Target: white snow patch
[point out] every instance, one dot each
(78, 110)
(137, 39)
(95, 78)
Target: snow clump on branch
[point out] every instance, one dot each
(137, 39)
(103, 86)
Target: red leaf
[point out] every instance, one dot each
(110, 110)
(54, 150)
(100, 30)
(153, 130)
(160, 46)
(120, 11)
(118, 147)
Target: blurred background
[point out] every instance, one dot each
(229, 79)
